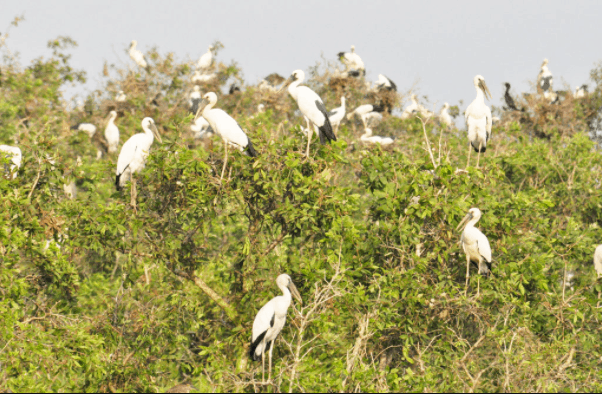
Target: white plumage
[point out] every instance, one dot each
(137, 55)
(14, 154)
(120, 97)
(369, 114)
(478, 119)
(132, 158)
(385, 83)
(581, 91)
(312, 107)
(270, 320)
(226, 127)
(352, 61)
(112, 133)
(545, 79)
(87, 127)
(598, 261)
(194, 99)
(199, 77)
(374, 139)
(475, 244)
(201, 128)
(206, 60)
(444, 117)
(336, 115)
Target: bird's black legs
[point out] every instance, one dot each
(270, 364)
(467, 272)
(479, 154)
(225, 161)
(263, 366)
(310, 131)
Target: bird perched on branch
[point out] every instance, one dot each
(112, 133)
(311, 106)
(581, 91)
(87, 127)
(206, 60)
(336, 115)
(385, 83)
(545, 79)
(509, 100)
(137, 55)
(478, 119)
(444, 117)
(475, 244)
(368, 113)
(269, 322)
(132, 158)
(227, 128)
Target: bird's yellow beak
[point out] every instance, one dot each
(485, 89)
(295, 292)
(156, 132)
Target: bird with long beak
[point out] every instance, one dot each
(475, 244)
(227, 128)
(311, 106)
(270, 320)
(478, 119)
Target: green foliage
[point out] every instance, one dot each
(111, 291)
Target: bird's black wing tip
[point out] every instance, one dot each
(254, 345)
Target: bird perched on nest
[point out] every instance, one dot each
(352, 61)
(385, 83)
(206, 60)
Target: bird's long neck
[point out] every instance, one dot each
(292, 88)
(480, 95)
(472, 222)
(207, 108)
(286, 293)
(149, 134)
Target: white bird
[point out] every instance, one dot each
(270, 320)
(385, 83)
(478, 119)
(370, 114)
(581, 91)
(598, 261)
(137, 55)
(368, 137)
(206, 60)
(132, 158)
(120, 97)
(544, 79)
(444, 117)
(87, 127)
(227, 128)
(198, 77)
(352, 61)
(14, 154)
(475, 244)
(112, 133)
(336, 115)
(194, 99)
(202, 128)
(312, 107)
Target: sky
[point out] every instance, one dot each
(435, 47)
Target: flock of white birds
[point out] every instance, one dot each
(209, 120)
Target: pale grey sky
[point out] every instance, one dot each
(441, 44)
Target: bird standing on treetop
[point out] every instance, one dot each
(137, 55)
(475, 244)
(478, 119)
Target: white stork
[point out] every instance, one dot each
(132, 158)
(352, 61)
(581, 91)
(120, 97)
(137, 55)
(87, 127)
(269, 322)
(444, 117)
(368, 137)
(312, 107)
(199, 77)
(206, 60)
(336, 115)
(14, 154)
(598, 261)
(545, 79)
(475, 244)
(112, 133)
(385, 83)
(368, 113)
(478, 119)
(227, 128)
